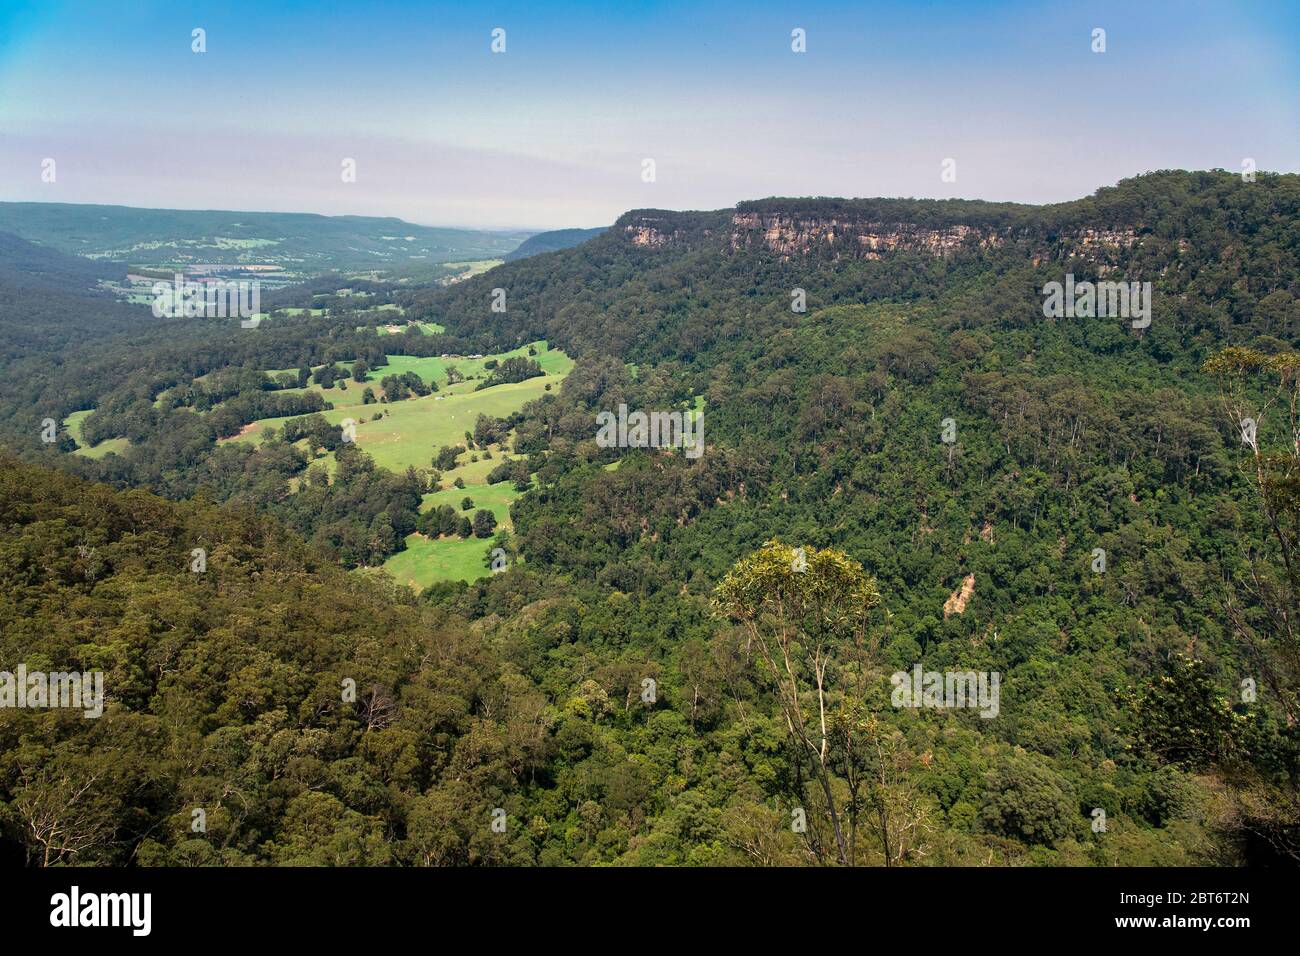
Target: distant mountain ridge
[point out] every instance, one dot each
(553, 240)
(1188, 228)
(296, 241)
(30, 265)
(49, 298)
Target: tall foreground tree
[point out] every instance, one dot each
(1261, 394)
(806, 614)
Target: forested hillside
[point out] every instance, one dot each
(551, 241)
(1066, 502)
(49, 300)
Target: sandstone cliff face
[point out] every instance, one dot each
(651, 230)
(793, 236)
(957, 601)
(647, 233)
(1109, 240)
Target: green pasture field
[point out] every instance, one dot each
(109, 445)
(411, 431)
(425, 561)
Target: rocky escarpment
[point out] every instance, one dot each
(790, 236)
(651, 231)
(868, 233)
(655, 228)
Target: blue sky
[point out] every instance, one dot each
(553, 132)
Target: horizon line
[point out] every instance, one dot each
(536, 230)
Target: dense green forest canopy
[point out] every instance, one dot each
(1123, 682)
(551, 241)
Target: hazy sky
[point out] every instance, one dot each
(553, 132)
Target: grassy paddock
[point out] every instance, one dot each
(109, 445)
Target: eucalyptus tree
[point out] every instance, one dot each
(805, 613)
